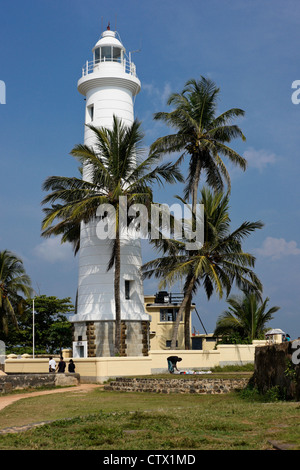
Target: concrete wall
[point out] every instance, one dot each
(99, 369)
(237, 353)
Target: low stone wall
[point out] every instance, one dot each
(199, 385)
(11, 382)
(278, 365)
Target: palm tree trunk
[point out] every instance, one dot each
(117, 294)
(187, 322)
(187, 312)
(195, 185)
(181, 311)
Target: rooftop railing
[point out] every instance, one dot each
(94, 65)
(168, 298)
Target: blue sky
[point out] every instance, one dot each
(249, 48)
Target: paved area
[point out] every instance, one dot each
(6, 400)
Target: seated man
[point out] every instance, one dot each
(172, 363)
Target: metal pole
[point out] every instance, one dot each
(200, 320)
(33, 328)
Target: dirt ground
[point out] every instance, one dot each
(6, 400)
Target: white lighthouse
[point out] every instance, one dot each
(109, 84)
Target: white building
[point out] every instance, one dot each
(109, 84)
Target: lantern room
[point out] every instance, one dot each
(108, 48)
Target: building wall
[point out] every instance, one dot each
(162, 331)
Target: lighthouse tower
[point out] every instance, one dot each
(109, 84)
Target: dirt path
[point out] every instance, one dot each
(6, 400)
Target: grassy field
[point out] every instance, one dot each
(102, 420)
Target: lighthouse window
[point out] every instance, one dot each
(97, 55)
(106, 53)
(90, 113)
(127, 290)
(116, 54)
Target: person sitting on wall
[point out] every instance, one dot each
(61, 366)
(172, 363)
(52, 364)
(71, 366)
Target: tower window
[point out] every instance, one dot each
(90, 114)
(127, 290)
(116, 54)
(106, 53)
(97, 55)
(168, 343)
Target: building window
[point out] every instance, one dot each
(168, 314)
(168, 344)
(90, 114)
(116, 54)
(106, 53)
(127, 290)
(97, 55)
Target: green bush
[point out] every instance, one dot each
(250, 393)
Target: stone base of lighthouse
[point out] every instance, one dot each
(97, 338)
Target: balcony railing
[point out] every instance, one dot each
(164, 297)
(94, 65)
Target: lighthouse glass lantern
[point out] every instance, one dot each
(109, 84)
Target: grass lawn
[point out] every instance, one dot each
(102, 420)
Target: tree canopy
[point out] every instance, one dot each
(53, 331)
(15, 286)
(247, 317)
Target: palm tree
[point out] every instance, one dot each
(201, 134)
(14, 282)
(115, 166)
(215, 267)
(246, 316)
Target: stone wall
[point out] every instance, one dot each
(276, 366)
(11, 382)
(176, 385)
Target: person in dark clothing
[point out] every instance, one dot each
(172, 363)
(71, 366)
(61, 366)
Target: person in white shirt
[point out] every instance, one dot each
(52, 365)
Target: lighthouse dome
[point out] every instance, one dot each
(108, 48)
(110, 66)
(108, 38)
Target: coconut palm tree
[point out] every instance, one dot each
(216, 266)
(14, 284)
(246, 315)
(115, 166)
(201, 134)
